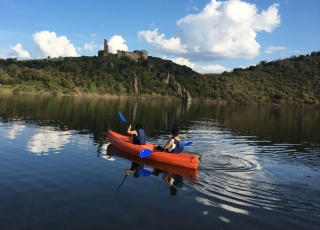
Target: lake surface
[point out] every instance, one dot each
(259, 166)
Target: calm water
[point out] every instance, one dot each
(259, 169)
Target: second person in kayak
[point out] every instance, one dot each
(174, 144)
(139, 136)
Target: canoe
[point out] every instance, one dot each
(188, 173)
(124, 143)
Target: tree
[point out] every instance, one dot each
(14, 71)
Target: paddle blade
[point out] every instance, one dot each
(145, 153)
(122, 117)
(144, 172)
(188, 143)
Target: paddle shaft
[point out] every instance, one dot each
(122, 182)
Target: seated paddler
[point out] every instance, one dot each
(139, 136)
(174, 144)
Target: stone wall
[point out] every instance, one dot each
(137, 55)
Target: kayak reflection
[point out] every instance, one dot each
(174, 176)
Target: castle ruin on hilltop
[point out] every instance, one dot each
(105, 52)
(137, 55)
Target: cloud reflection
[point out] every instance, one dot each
(223, 206)
(46, 140)
(16, 130)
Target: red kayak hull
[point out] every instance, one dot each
(124, 143)
(187, 173)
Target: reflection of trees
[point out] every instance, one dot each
(263, 122)
(88, 115)
(97, 115)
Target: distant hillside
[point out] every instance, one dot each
(291, 81)
(77, 75)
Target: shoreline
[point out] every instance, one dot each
(4, 89)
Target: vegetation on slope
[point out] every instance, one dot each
(291, 81)
(90, 75)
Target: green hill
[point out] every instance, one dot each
(291, 81)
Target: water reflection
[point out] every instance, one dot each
(174, 176)
(47, 139)
(238, 173)
(254, 159)
(15, 130)
(174, 181)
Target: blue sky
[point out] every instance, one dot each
(209, 36)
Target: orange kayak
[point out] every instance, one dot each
(187, 173)
(124, 144)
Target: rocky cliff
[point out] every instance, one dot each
(175, 86)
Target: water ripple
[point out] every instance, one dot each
(228, 163)
(235, 191)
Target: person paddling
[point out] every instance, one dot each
(174, 144)
(139, 136)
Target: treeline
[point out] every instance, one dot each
(291, 81)
(91, 75)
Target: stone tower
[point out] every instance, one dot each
(105, 48)
(103, 53)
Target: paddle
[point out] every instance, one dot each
(123, 118)
(145, 153)
(122, 182)
(188, 143)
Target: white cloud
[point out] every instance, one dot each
(50, 45)
(267, 20)
(272, 49)
(192, 7)
(221, 30)
(183, 61)
(151, 25)
(117, 43)
(211, 68)
(171, 45)
(19, 51)
(90, 46)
